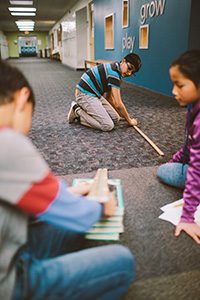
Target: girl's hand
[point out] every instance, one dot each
(192, 229)
(81, 189)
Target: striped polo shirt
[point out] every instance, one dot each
(98, 80)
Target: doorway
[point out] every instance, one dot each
(27, 46)
(91, 24)
(82, 36)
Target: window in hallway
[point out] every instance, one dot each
(27, 45)
(109, 32)
(144, 37)
(125, 13)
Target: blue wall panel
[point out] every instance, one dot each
(168, 37)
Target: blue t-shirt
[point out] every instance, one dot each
(98, 80)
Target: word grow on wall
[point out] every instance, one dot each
(154, 8)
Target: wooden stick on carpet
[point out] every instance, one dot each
(149, 140)
(99, 188)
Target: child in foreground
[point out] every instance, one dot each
(39, 260)
(183, 170)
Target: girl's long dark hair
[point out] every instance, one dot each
(189, 65)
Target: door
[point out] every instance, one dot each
(91, 19)
(82, 36)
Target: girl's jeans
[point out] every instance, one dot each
(48, 269)
(173, 174)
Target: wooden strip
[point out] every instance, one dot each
(149, 140)
(99, 188)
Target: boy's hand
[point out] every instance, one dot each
(133, 122)
(110, 206)
(81, 189)
(192, 229)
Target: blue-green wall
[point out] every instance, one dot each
(168, 38)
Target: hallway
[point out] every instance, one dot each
(71, 149)
(167, 268)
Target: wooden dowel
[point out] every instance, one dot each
(148, 140)
(99, 188)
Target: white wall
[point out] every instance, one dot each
(3, 46)
(70, 49)
(82, 36)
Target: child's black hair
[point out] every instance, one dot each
(134, 59)
(11, 81)
(189, 65)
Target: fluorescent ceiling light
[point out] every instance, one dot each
(22, 9)
(28, 22)
(25, 26)
(26, 29)
(21, 2)
(22, 14)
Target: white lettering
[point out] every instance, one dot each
(143, 14)
(128, 43)
(160, 7)
(124, 42)
(147, 10)
(152, 9)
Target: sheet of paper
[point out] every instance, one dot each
(172, 212)
(178, 203)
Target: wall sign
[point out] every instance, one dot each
(128, 42)
(152, 9)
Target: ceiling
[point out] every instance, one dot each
(47, 14)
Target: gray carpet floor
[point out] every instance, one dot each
(163, 262)
(72, 148)
(167, 267)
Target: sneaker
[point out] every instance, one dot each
(72, 116)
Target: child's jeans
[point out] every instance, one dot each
(47, 271)
(173, 174)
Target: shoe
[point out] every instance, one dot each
(72, 116)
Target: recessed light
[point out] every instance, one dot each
(26, 29)
(21, 2)
(25, 22)
(25, 26)
(22, 9)
(22, 14)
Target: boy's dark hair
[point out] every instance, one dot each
(189, 65)
(12, 80)
(134, 60)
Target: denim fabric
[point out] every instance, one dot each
(173, 174)
(44, 272)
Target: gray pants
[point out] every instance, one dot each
(96, 113)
